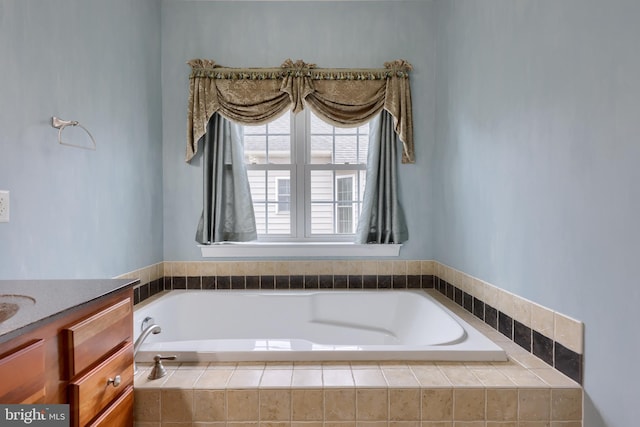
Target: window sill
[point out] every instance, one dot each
(297, 250)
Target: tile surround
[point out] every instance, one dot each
(553, 337)
(524, 391)
(520, 392)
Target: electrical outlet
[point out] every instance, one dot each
(4, 206)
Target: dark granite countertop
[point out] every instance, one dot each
(43, 299)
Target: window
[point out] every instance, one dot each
(307, 177)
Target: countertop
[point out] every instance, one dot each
(49, 298)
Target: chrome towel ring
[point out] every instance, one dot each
(61, 124)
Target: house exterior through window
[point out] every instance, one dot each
(307, 177)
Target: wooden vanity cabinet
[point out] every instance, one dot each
(83, 357)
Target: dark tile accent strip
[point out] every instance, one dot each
(568, 362)
(267, 282)
(355, 282)
(399, 282)
(194, 282)
(413, 282)
(296, 282)
(522, 335)
(384, 282)
(208, 282)
(542, 347)
(370, 282)
(467, 302)
(311, 282)
(458, 296)
(179, 282)
(478, 308)
(223, 282)
(491, 316)
(505, 325)
(340, 282)
(282, 282)
(325, 281)
(237, 282)
(250, 282)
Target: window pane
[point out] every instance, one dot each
(346, 149)
(321, 186)
(253, 130)
(322, 218)
(255, 149)
(280, 149)
(281, 125)
(321, 149)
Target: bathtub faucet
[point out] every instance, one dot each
(151, 329)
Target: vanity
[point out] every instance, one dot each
(69, 341)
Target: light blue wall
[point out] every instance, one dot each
(536, 168)
(78, 213)
(261, 34)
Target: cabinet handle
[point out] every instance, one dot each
(114, 381)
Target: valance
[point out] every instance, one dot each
(342, 97)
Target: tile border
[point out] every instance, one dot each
(552, 337)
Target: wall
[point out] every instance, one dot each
(264, 34)
(78, 213)
(536, 169)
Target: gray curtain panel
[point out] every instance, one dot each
(382, 220)
(227, 213)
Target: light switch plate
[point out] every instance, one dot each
(4, 206)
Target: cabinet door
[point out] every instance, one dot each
(22, 378)
(89, 340)
(118, 414)
(94, 391)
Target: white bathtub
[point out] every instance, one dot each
(308, 326)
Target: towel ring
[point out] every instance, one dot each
(61, 124)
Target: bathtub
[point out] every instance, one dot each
(209, 326)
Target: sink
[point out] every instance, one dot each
(11, 304)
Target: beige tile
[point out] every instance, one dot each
(372, 405)
(213, 379)
(337, 378)
(566, 424)
(404, 423)
(306, 424)
(339, 404)
(178, 269)
(368, 378)
(177, 424)
(400, 377)
(245, 378)
(502, 404)
(147, 405)
(413, 268)
(242, 405)
(427, 268)
(437, 404)
(554, 378)
(307, 405)
(209, 268)
(267, 268)
(183, 379)
(502, 424)
(437, 424)
(209, 405)
(468, 424)
(569, 332)
(522, 377)
(209, 424)
(306, 378)
(460, 376)
(385, 268)
(242, 424)
(542, 320)
(490, 295)
(522, 310)
(276, 378)
(372, 424)
(566, 404)
(491, 377)
(469, 404)
(430, 376)
(370, 268)
(194, 269)
(147, 424)
(533, 424)
(176, 405)
(399, 268)
(275, 405)
(404, 404)
(534, 404)
(340, 424)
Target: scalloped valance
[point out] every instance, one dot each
(343, 97)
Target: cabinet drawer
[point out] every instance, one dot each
(119, 413)
(92, 392)
(89, 340)
(22, 378)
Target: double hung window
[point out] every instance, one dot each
(307, 177)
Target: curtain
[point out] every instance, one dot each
(382, 219)
(343, 97)
(227, 213)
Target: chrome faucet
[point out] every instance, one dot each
(151, 329)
